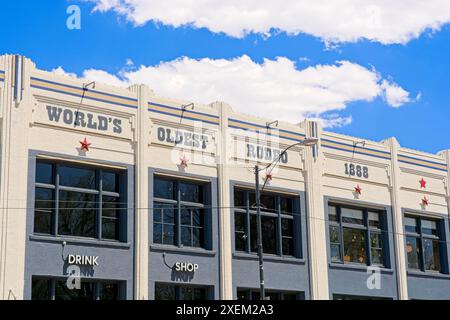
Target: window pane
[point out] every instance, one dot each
(39, 289)
(191, 192)
(197, 237)
(411, 225)
(164, 189)
(239, 222)
(77, 177)
(43, 211)
(164, 212)
(44, 172)
(429, 227)
(157, 233)
(354, 245)
(286, 205)
(374, 219)
(376, 244)
(240, 241)
(335, 247)
(288, 246)
(199, 294)
(186, 217)
(332, 214)
(352, 216)
(431, 254)
(239, 198)
(62, 292)
(111, 207)
(186, 237)
(110, 229)
(110, 181)
(242, 294)
(165, 292)
(287, 227)
(413, 252)
(169, 234)
(252, 200)
(268, 203)
(197, 217)
(269, 234)
(109, 291)
(77, 214)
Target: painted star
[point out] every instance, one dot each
(184, 162)
(423, 183)
(85, 145)
(425, 201)
(358, 189)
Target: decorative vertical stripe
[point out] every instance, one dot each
(2, 76)
(16, 76)
(314, 134)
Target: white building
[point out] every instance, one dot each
(161, 205)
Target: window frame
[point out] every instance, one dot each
(368, 230)
(180, 205)
(421, 236)
(299, 295)
(248, 212)
(56, 188)
(178, 288)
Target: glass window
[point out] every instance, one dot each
(81, 209)
(352, 216)
(189, 220)
(40, 289)
(164, 189)
(43, 210)
(277, 223)
(274, 295)
(423, 244)
(44, 172)
(413, 252)
(354, 245)
(174, 292)
(359, 238)
(77, 214)
(77, 177)
(57, 289)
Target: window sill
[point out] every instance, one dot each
(80, 241)
(186, 250)
(427, 274)
(268, 257)
(357, 267)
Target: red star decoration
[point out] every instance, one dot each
(85, 145)
(423, 183)
(269, 176)
(425, 201)
(184, 162)
(358, 189)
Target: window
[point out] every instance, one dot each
(357, 235)
(173, 292)
(72, 200)
(352, 297)
(278, 223)
(56, 289)
(423, 243)
(249, 294)
(179, 213)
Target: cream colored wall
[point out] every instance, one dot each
(25, 126)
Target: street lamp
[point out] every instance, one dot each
(307, 143)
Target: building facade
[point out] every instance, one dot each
(113, 193)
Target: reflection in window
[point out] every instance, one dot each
(357, 235)
(174, 292)
(277, 223)
(78, 201)
(179, 213)
(423, 243)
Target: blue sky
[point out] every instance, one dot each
(419, 65)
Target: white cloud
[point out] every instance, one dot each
(334, 21)
(60, 71)
(274, 89)
(394, 94)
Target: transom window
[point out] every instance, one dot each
(357, 235)
(278, 223)
(423, 243)
(72, 200)
(179, 213)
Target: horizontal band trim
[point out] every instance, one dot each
(186, 114)
(80, 92)
(179, 116)
(355, 149)
(422, 163)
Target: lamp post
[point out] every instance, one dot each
(271, 166)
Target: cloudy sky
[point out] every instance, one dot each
(369, 68)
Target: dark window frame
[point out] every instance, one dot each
(368, 230)
(178, 288)
(249, 212)
(52, 283)
(99, 193)
(421, 237)
(281, 294)
(178, 206)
